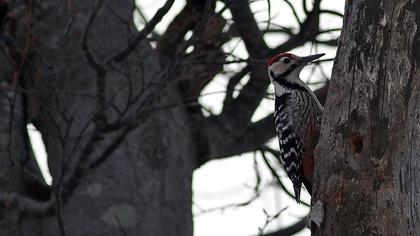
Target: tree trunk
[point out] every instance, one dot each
(368, 158)
(118, 143)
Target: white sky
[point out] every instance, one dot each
(222, 182)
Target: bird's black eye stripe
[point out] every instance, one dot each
(286, 60)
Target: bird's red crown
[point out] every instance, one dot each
(279, 56)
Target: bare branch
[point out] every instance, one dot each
(236, 115)
(269, 15)
(233, 81)
(335, 13)
(123, 53)
(100, 70)
(169, 41)
(143, 17)
(248, 28)
(307, 32)
(290, 230)
(269, 218)
(293, 11)
(207, 52)
(329, 30)
(305, 7)
(26, 204)
(332, 42)
(223, 142)
(89, 56)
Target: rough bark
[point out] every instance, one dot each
(367, 163)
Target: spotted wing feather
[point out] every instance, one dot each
(290, 142)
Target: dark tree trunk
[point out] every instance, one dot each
(368, 157)
(117, 138)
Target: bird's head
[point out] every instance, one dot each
(284, 68)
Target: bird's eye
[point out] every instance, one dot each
(286, 60)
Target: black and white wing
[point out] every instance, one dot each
(290, 142)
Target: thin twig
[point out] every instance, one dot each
(269, 218)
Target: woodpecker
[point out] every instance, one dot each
(297, 114)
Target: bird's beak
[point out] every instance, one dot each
(305, 60)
